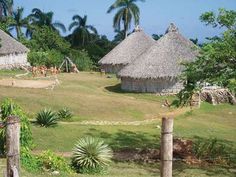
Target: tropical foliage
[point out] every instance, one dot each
(6, 7)
(40, 18)
(46, 118)
(19, 22)
(91, 155)
(127, 11)
(8, 107)
(81, 34)
(64, 113)
(217, 62)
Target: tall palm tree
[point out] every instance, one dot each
(19, 22)
(40, 18)
(127, 11)
(6, 7)
(82, 31)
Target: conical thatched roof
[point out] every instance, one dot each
(9, 45)
(164, 58)
(134, 45)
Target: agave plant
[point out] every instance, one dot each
(46, 118)
(64, 113)
(90, 155)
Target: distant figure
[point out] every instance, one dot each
(74, 69)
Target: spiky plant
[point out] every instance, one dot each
(46, 118)
(64, 113)
(91, 155)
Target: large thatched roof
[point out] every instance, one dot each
(134, 45)
(164, 58)
(9, 45)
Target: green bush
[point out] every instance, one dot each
(64, 113)
(29, 161)
(48, 58)
(214, 151)
(49, 161)
(46, 161)
(91, 155)
(46, 118)
(8, 107)
(81, 59)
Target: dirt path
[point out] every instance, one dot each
(135, 123)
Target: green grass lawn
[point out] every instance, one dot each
(88, 96)
(93, 97)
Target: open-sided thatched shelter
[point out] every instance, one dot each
(157, 69)
(123, 54)
(13, 54)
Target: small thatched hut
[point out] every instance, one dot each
(157, 69)
(13, 54)
(129, 49)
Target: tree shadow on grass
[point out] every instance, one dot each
(123, 139)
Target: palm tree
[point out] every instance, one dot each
(127, 11)
(82, 31)
(6, 7)
(19, 22)
(40, 18)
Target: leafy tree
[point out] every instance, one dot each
(6, 8)
(82, 31)
(98, 47)
(39, 18)
(19, 22)
(225, 18)
(5, 22)
(127, 11)
(45, 38)
(217, 62)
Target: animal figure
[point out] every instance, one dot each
(74, 69)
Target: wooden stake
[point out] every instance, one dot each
(13, 146)
(167, 147)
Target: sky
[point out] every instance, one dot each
(155, 15)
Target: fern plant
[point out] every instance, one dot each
(91, 155)
(64, 113)
(46, 118)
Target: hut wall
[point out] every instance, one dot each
(164, 86)
(109, 68)
(13, 61)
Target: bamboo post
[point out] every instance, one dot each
(67, 70)
(13, 146)
(166, 147)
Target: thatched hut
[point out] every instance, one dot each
(124, 53)
(157, 69)
(13, 54)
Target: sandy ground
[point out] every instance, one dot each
(27, 83)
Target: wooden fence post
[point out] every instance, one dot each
(13, 146)
(166, 147)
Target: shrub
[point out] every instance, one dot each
(48, 58)
(46, 118)
(46, 161)
(8, 107)
(64, 113)
(81, 59)
(214, 151)
(29, 161)
(49, 161)
(91, 155)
